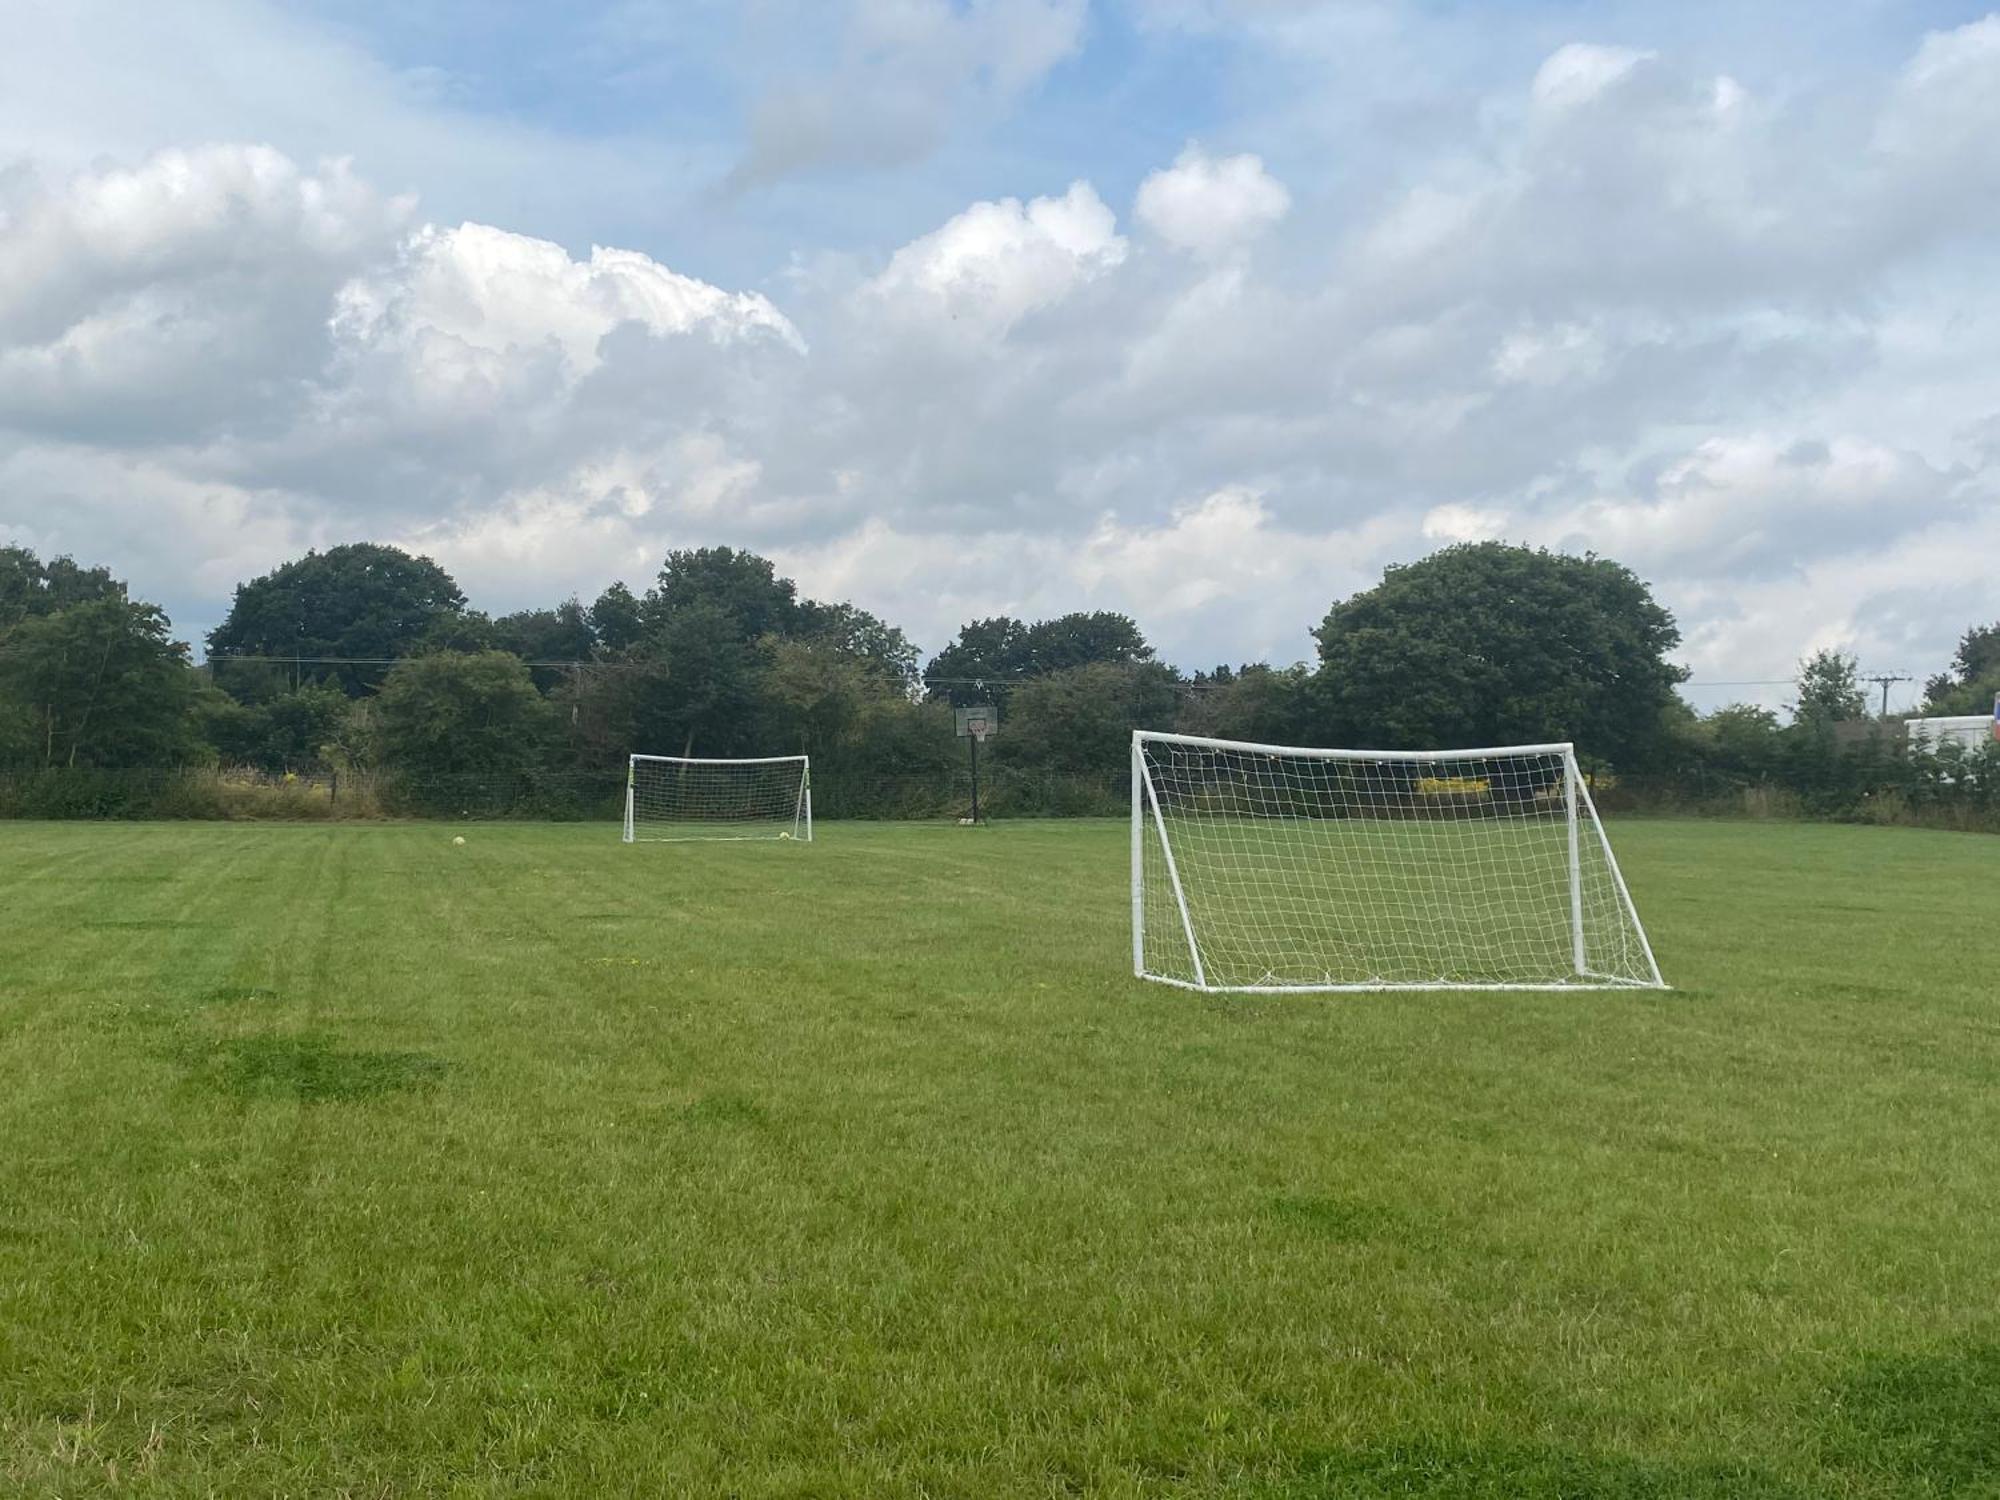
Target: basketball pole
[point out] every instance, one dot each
(975, 777)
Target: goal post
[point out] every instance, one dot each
(1273, 868)
(671, 798)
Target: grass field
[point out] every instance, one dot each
(339, 1161)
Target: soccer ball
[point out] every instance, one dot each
(459, 840)
(784, 835)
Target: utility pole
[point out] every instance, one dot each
(1885, 678)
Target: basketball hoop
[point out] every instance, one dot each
(975, 722)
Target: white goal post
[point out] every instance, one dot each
(674, 797)
(1274, 868)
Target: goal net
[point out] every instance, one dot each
(1269, 867)
(669, 797)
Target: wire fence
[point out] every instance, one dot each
(548, 796)
(1870, 781)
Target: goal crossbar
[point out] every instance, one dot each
(1270, 869)
(1323, 752)
(748, 760)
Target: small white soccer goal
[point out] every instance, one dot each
(1274, 868)
(674, 797)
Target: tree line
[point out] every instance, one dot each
(364, 660)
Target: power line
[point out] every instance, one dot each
(390, 661)
(984, 679)
(375, 661)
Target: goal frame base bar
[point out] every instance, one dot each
(718, 838)
(1390, 987)
(1146, 815)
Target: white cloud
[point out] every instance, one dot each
(1464, 523)
(1754, 505)
(1218, 577)
(507, 295)
(178, 295)
(1738, 343)
(1209, 205)
(220, 350)
(601, 519)
(179, 215)
(995, 263)
(1576, 74)
(1938, 139)
(1947, 88)
(1549, 356)
(86, 81)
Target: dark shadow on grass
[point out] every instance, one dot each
(1347, 1220)
(236, 994)
(1254, 1007)
(1920, 1425)
(1930, 1422)
(144, 924)
(307, 1068)
(725, 1109)
(1430, 1470)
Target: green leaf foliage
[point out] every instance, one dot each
(1489, 644)
(99, 683)
(740, 586)
(1974, 679)
(452, 712)
(364, 602)
(617, 619)
(1080, 721)
(1829, 686)
(989, 656)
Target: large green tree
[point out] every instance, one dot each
(1829, 688)
(1490, 644)
(361, 604)
(617, 618)
(976, 667)
(30, 587)
(707, 700)
(559, 634)
(1742, 738)
(295, 731)
(1079, 721)
(1270, 705)
(464, 630)
(717, 654)
(989, 657)
(562, 634)
(853, 632)
(1084, 638)
(98, 683)
(741, 586)
(454, 712)
(815, 696)
(1974, 679)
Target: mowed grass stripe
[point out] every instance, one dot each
(548, 1166)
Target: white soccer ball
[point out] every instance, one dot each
(459, 840)
(784, 835)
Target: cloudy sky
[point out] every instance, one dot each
(1199, 309)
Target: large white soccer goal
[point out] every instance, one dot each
(672, 797)
(1271, 868)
